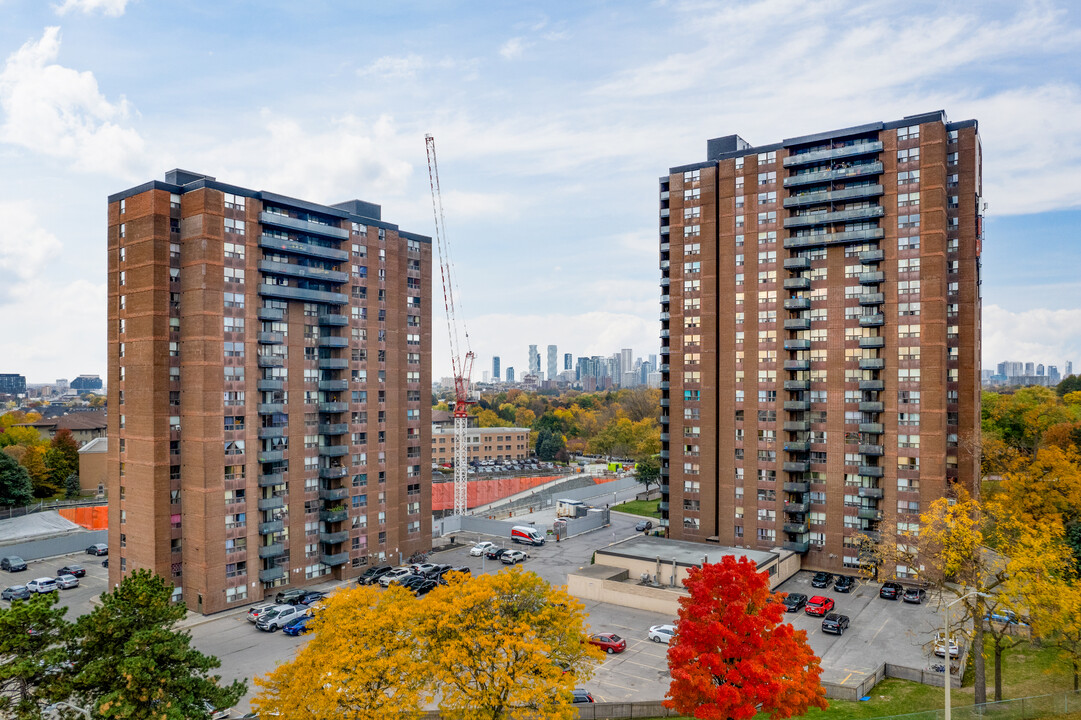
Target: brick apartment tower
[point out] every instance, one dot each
(820, 305)
(269, 376)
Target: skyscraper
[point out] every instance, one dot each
(510, 374)
(1030, 368)
(822, 347)
(1069, 368)
(534, 360)
(269, 369)
(568, 361)
(553, 362)
(495, 368)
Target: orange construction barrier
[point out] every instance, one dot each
(93, 517)
(482, 492)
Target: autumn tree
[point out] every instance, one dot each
(34, 462)
(648, 471)
(62, 457)
(364, 661)
(497, 646)
(134, 664)
(15, 486)
(731, 656)
(1059, 623)
(32, 656)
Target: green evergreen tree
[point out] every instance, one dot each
(15, 487)
(32, 656)
(71, 487)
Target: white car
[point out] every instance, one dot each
(395, 574)
(940, 646)
(42, 585)
(481, 548)
(66, 582)
(256, 610)
(513, 556)
(279, 616)
(662, 633)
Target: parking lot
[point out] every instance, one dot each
(77, 600)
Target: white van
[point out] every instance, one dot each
(526, 535)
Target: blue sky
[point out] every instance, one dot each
(553, 122)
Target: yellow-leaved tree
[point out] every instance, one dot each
(363, 662)
(506, 646)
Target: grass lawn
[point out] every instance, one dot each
(1027, 670)
(645, 508)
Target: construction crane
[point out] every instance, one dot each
(461, 363)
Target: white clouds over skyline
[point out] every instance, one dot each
(111, 8)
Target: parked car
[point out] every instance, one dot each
(844, 583)
(481, 548)
(609, 642)
(423, 587)
(940, 646)
(1006, 617)
(217, 713)
(105, 563)
(66, 582)
(12, 563)
(311, 597)
(289, 597)
(581, 695)
(436, 570)
(819, 605)
(890, 591)
(662, 633)
(821, 580)
(15, 592)
(916, 596)
(299, 626)
(422, 568)
(279, 616)
(73, 569)
(513, 556)
(408, 581)
(644, 525)
(442, 579)
(835, 623)
(493, 553)
(395, 574)
(795, 601)
(98, 549)
(256, 610)
(42, 585)
(372, 575)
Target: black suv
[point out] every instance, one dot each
(890, 591)
(793, 602)
(821, 580)
(290, 597)
(835, 623)
(372, 575)
(845, 583)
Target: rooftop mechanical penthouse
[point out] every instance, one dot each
(820, 331)
(269, 371)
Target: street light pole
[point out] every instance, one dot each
(76, 708)
(946, 641)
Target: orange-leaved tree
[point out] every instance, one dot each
(731, 656)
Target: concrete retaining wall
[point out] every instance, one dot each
(624, 593)
(60, 545)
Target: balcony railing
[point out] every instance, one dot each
(832, 174)
(304, 226)
(872, 363)
(844, 151)
(797, 487)
(302, 248)
(836, 238)
(826, 196)
(303, 271)
(827, 218)
(874, 341)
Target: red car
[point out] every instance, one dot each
(819, 605)
(609, 642)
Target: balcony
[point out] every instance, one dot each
(869, 513)
(664, 420)
(333, 363)
(871, 449)
(876, 320)
(304, 226)
(270, 385)
(797, 344)
(331, 341)
(797, 263)
(303, 248)
(797, 304)
(273, 432)
(333, 407)
(797, 547)
(665, 282)
(271, 479)
(834, 238)
(796, 405)
(273, 550)
(271, 456)
(303, 271)
(797, 467)
(797, 364)
(795, 528)
(333, 450)
(872, 363)
(800, 283)
(664, 437)
(331, 320)
(665, 332)
(830, 175)
(872, 385)
(333, 516)
(873, 428)
(665, 402)
(664, 454)
(662, 505)
(665, 384)
(872, 278)
(872, 298)
(797, 487)
(333, 385)
(870, 492)
(845, 151)
(874, 341)
(868, 257)
(270, 408)
(826, 218)
(874, 471)
(335, 559)
(271, 361)
(665, 299)
(333, 493)
(797, 446)
(797, 324)
(872, 535)
(797, 507)
(271, 503)
(333, 538)
(797, 426)
(797, 384)
(270, 314)
(273, 526)
(871, 406)
(333, 473)
(271, 574)
(333, 428)
(287, 292)
(826, 196)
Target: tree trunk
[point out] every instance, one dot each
(998, 670)
(978, 666)
(1075, 676)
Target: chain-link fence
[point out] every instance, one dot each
(1026, 708)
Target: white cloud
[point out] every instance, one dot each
(54, 329)
(395, 67)
(112, 8)
(513, 48)
(60, 112)
(1038, 335)
(25, 248)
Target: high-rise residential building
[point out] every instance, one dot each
(534, 360)
(495, 368)
(12, 384)
(1052, 374)
(86, 382)
(821, 340)
(1069, 368)
(269, 371)
(1039, 369)
(626, 360)
(1030, 368)
(568, 361)
(553, 362)
(510, 374)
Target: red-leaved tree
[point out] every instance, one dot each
(731, 657)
